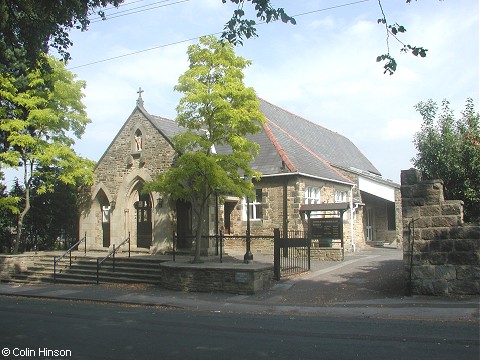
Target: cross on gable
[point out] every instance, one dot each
(140, 100)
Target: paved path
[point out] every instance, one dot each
(367, 284)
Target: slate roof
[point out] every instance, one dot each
(334, 148)
(292, 144)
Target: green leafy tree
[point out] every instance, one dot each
(29, 28)
(449, 149)
(40, 115)
(216, 110)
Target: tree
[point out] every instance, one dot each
(40, 115)
(449, 149)
(216, 110)
(29, 27)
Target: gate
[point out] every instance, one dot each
(291, 253)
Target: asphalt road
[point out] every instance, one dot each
(83, 330)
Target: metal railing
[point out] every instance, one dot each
(56, 259)
(291, 254)
(112, 254)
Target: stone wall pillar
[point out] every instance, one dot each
(441, 253)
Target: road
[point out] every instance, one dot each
(90, 330)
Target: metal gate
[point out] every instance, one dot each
(291, 253)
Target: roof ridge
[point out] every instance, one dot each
(301, 117)
(309, 150)
(277, 146)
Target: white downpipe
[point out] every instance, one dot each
(352, 211)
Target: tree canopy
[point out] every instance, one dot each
(217, 110)
(449, 149)
(40, 115)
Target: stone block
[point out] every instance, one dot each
(445, 221)
(446, 272)
(464, 258)
(423, 272)
(466, 232)
(430, 210)
(421, 246)
(409, 213)
(452, 207)
(430, 287)
(466, 245)
(468, 272)
(464, 287)
(424, 222)
(410, 176)
(436, 258)
(435, 234)
(440, 245)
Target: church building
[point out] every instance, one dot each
(301, 162)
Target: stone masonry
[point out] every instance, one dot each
(441, 252)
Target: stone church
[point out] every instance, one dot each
(302, 163)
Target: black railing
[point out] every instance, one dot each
(56, 259)
(219, 239)
(291, 253)
(112, 254)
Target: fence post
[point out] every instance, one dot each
(98, 268)
(309, 244)
(129, 244)
(54, 269)
(70, 259)
(174, 243)
(221, 247)
(276, 254)
(113, 258)
(85, 243)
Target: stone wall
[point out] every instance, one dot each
(441, 253)
(227, 278)
(15, 264)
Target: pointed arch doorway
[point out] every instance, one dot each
(144, 221)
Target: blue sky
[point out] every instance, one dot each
(323, 68)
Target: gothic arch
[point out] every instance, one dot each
(137, 136)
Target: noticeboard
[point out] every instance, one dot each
(325, 228)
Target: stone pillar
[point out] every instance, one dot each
(441, 253)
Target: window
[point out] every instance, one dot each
(340, 196)
(138, 140)
(312, 195)
(255, 206)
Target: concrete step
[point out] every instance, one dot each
(137, 269)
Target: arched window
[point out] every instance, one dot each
(138, 140)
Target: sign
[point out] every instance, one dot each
(325, 228)
(242, 277)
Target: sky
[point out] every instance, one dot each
(323, 68)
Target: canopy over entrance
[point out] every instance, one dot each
(308, 208)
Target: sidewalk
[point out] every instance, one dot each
(366, 284)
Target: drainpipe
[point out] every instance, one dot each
(352, 211)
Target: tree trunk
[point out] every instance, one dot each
(21, 216)
(200, 220)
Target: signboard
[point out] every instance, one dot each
(242, 277)
(325, 228)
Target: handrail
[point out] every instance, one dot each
(112, 254)
(56, 259)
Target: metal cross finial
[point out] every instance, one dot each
(140, 100)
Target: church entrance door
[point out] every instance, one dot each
(144, 221)
(184, 225)
(106, 226)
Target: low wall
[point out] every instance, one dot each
(257, 245)
(15, 264)
(214, 277)
(441, 253)
(326, 254)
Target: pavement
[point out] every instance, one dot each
(369, 283)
